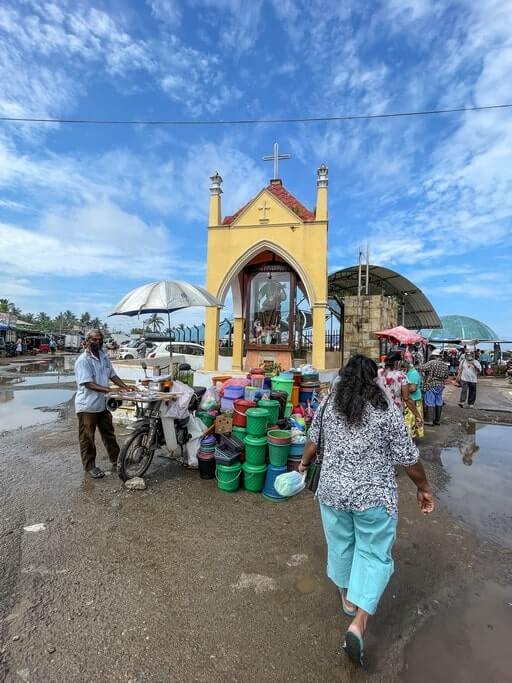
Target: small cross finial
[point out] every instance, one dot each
(275, 158)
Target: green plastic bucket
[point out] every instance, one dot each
(228, 476)
(205, 417)
(239, 432)
(257, 420)
(272, 408)
(283, 384)
(278, 454)
(254, 477)
(255, 449)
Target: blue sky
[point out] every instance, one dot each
(87, 213)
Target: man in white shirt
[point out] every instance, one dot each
(469, 370)
(93, 373)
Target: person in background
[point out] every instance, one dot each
(414, 385)
(485, 361)
(393, 382)
(418, 355)
(469, 370)
(93, 373)
(142, 348)
(454, 363)
(364, 437)
(52, 345)
(434, 372)
(19, 346)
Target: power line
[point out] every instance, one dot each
(232, 122)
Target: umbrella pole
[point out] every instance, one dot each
(170, 342)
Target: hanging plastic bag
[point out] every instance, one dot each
(210, 399)
(178, 408)
(290, 483)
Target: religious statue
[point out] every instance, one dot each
(271, 294)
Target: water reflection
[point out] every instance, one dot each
(478, 480)
(468, 447)
(28, 408)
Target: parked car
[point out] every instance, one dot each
(192, 353)
(130, 351)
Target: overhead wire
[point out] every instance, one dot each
(232, 122)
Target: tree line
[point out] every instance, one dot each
(63, 322)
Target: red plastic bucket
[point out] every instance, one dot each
(240, 408)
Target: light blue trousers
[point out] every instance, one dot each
(359, 548)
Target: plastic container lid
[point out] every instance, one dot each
(247, 467)
(257, 412)
(255, 440)
(244, 403)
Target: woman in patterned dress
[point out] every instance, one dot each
(364, 437)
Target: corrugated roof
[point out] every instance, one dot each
(419, 312)
(285, 197)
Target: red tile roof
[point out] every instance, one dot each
(285, 197)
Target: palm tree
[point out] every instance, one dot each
(85, 321)
(96, 323)
(44, 321)
(70, 320)
(7, 306)
(156, 322)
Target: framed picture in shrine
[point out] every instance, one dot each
(270, 307)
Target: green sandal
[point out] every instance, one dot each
(354, 647)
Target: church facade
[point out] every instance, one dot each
(270, 254)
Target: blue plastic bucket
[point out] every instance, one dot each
(269, 491)
(296, 450)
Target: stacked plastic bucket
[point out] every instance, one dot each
(206, 457)
(278, 451)
(285, 382)
(255, 466)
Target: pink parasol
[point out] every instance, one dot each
(400, 335)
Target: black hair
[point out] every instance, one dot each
(356, 387)
(392, 358)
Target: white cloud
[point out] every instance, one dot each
(237, 21)
(166, 10)
(85, 241)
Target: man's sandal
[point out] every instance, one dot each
(96, 473)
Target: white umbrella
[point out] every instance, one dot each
(165, 296)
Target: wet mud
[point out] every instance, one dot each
(183, 582)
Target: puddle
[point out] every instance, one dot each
(478, 481)
(28, 408)
(35, 380)
(469, 638)
(60, 364)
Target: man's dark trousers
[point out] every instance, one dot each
(87, 424)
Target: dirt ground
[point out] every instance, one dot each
(182, 582)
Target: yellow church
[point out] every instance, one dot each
(270, 253)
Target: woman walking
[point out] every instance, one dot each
(363, 437)
(396, 385)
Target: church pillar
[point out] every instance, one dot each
(321, 212)
(215, 212)
(238, 344)
(211, 339)
(318, 352)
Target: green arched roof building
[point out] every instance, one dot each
(457, 327)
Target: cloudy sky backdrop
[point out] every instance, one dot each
(88, 212)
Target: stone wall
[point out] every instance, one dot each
(363, 317)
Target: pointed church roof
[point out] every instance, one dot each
(285, 197)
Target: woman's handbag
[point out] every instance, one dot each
(315, 475)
